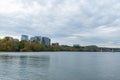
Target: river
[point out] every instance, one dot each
(59, 66)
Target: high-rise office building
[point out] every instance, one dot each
(46, 41)
(42, 40)
(36, 39)
(24, 37)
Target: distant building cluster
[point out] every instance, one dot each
(42, 40)
(55, 44)
(11, 38)
(11, 44)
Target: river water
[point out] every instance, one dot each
(60, 66)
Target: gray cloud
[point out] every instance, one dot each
(67, 21)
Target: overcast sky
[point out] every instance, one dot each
(84, 22)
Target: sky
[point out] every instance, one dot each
(84, 22)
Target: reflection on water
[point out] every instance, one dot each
(59, 66)
(24, 67)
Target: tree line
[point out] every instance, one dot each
(26, 46)
(13, 45)
(7, 45)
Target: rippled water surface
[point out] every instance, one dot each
(60, 66)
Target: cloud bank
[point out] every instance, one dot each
(85, 22)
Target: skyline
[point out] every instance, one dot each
(84, 22)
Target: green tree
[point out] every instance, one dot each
(36, 46)
(24, 46)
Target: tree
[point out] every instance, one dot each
(36, 46)
(24, 46)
